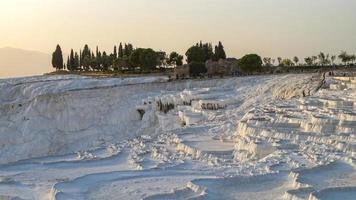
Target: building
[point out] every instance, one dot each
(181, 71)
(222, 67)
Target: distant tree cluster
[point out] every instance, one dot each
(88, 60)
(198, 54)
(203, 52)
(346, 58)
(124, 57)
(145, 59)
(253, 63)
(322, 59)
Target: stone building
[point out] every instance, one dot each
(181, 71)
(214, 68)
(222, 67)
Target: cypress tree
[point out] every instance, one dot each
(80, 60)
(126, 50)
(71, 64)
(219, 52)
(86, 57)
(208, 51)
(98, 60)
(115, 52)
(69, 67)
(105, 61)
(216, 50)
(57, 58)
(121, 51)
(76, 61)
(86, 52)
(222, 51)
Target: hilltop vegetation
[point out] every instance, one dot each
(127, 59)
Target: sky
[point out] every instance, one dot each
(270, 28)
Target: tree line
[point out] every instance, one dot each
(123, 57)
(322, 59)
(126, 57)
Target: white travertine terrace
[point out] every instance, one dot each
(261, 137)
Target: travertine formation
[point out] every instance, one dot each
(264, 137)
(320, 131)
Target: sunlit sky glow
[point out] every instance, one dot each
(269, 27)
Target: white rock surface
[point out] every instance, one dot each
(71, 137)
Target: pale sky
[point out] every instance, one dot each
(268, 27)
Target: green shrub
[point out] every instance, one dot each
(251, 63)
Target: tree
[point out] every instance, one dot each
(57, 58)
(208, 51)
(352, 59)
(97, 51)
(70, 62)
(309, 61)
(105, 61)
(86, 58)
(111, 59)
(80, 59)
(162, 59)
(175, 59)
(93, 63)
(121, 63)
(323, 59)
(86, 62)
(134, 58)
(344, 57)
(314, 58)
(197, 69)
(195, 54)
(333, 58)
(287, 62)
(69, 67)
(296, 60)
(115, 52)
(121, 51)
(149, 59)
(251, 63)
(76, 61)
(146, 59)
(86, 52)
(219, 52)
(97, 61)
(267, 61)
(279, 59)
(128, 49)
